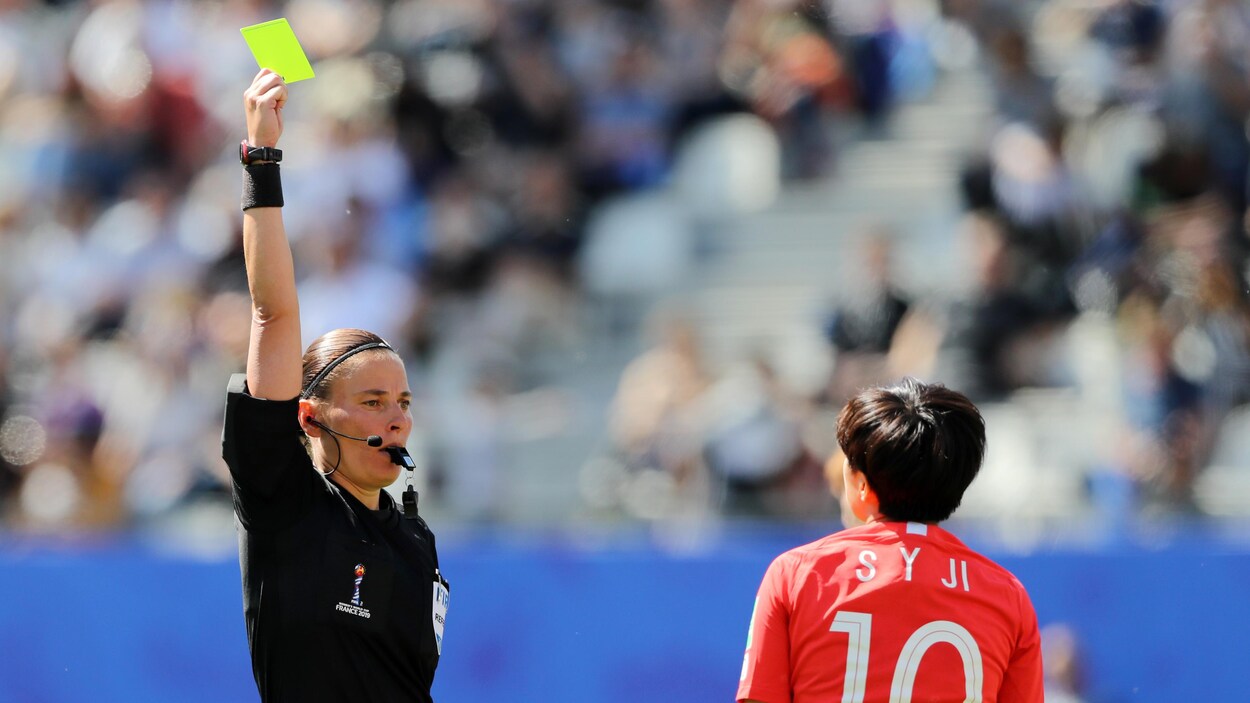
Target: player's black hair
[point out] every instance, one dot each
(918, 445)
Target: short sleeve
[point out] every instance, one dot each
(766, 666)
(1023, 682)
(269, 468)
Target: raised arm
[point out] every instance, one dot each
(274, 351)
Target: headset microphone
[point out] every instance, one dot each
(372, 440)
(399, 455)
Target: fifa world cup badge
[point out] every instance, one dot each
(356, 606)
(360, 576)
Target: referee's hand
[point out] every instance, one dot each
(263, 102)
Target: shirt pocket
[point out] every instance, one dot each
(356, 583)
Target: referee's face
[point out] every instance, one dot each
(371, 398)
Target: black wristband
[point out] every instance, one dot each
(262, 186)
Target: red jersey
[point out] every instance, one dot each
(896, 611)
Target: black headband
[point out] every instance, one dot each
(330, 366)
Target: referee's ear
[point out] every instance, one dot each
(308, 413)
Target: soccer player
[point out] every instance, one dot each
(896, 609)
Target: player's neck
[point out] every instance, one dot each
(875, 518)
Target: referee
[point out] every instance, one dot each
(342, 593)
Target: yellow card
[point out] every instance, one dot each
(275, 47)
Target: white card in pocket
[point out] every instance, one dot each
(441, 598)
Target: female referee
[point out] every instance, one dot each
(342, 594)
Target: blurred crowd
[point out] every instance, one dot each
(439, 173)
(1112, 189)
(443, 166)
(1105, 231)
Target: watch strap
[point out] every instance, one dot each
(249, 154)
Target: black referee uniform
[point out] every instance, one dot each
(342, 603)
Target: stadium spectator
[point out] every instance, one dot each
(752, 442)
(976, 342)
(1063, 664)
(658, 416)
(861, 329)
(780, 56)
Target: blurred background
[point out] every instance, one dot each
(636, 253)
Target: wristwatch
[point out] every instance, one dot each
(249, 154)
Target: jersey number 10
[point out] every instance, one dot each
(858, 629)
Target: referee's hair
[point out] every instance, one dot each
(918, 445)
(325, 350)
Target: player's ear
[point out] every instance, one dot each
(859, 504)
(858, 482)
(863, 490)
(833, 473)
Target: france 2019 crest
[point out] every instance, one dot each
(360, 576)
